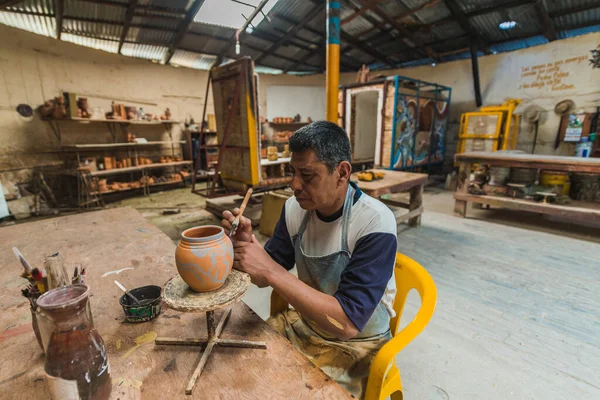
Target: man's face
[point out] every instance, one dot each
(313, 185)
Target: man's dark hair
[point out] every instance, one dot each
(329, 142)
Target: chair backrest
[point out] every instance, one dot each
(411, 275)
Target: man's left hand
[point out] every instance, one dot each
(250, 257)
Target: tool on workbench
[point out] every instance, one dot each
(127, 292)
(26, 266)
(56, 271)
(237, 220)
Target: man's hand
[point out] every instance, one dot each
(244, 229)
(251, 258)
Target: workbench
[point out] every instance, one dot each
(397, 182)
(577, 210)
(119, 244)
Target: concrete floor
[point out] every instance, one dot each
(517, 313)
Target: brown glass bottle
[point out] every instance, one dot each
(76, 360)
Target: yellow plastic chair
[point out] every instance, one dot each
(384, 376)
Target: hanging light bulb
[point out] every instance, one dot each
(237, 42)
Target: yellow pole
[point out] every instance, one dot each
(333, 59)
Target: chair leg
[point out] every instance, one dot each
(397, 395)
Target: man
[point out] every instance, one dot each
(343, 244)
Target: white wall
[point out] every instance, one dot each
(287, 101)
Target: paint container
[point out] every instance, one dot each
(149, 307)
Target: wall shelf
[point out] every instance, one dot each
(117, 145)
(116, 171)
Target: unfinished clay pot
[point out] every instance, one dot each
(204, 257)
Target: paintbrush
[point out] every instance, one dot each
(236, 221)
(26, 266)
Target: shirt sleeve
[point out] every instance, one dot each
(365, 278)
(280, 246)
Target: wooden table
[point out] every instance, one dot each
(516, 160)
(397, 182)
(120, 239)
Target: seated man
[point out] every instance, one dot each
(343, 244)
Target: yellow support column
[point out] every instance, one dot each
(333, 59)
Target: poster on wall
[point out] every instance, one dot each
(574, 128)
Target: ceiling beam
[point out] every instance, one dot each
(402, 29)
(361, 11)
(58, 16)
(547, 27)
(465, 24)
(316, 10)
(366, 49)
(9, 3)
(161, 9)
(183, 28)
(128, 19)
(345, 49)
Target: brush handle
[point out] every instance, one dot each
(245, 203)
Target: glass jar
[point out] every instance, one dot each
(76, 361)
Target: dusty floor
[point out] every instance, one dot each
(507, 324)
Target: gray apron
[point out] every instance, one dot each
(324, 274)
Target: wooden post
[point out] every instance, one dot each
(210, 324)
(462, 187)
(416, 200)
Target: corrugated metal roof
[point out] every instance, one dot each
(36, 24)
(99, 44)
(86, 9)
(577, 19)
(153, 29)
(192, 60)
(144, 51)
(92, 29)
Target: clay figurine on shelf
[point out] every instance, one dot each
(168, 114)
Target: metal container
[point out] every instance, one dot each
(149, 307)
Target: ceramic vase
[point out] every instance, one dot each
(204, 257)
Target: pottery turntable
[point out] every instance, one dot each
(178, 296)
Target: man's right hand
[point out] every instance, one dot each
(244, 229)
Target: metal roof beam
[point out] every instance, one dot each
(366, 49)
(58, 16)
(316, 10)
(464, 22)
(144, 7)
(546, 22)
(402, 29)
(8, 3)
(183, 28)
(128, 20)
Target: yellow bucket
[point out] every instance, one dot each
(556, 178)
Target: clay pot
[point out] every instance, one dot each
(204, 257)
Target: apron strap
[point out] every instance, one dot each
(346, 218)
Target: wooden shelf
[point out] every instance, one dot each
(132, 188)
(116, 171)
(288, 123)
(265, 163)
(114, 121)
(117, 145)
(580, 210)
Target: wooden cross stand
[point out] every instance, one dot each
(178, 296)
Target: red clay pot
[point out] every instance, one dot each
(204, 257)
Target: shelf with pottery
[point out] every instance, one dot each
(115, 171)
(96, 146)
(172, 182)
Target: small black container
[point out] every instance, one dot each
(150, 299)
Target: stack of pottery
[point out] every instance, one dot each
(204, 257)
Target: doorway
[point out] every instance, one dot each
(365, 126)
